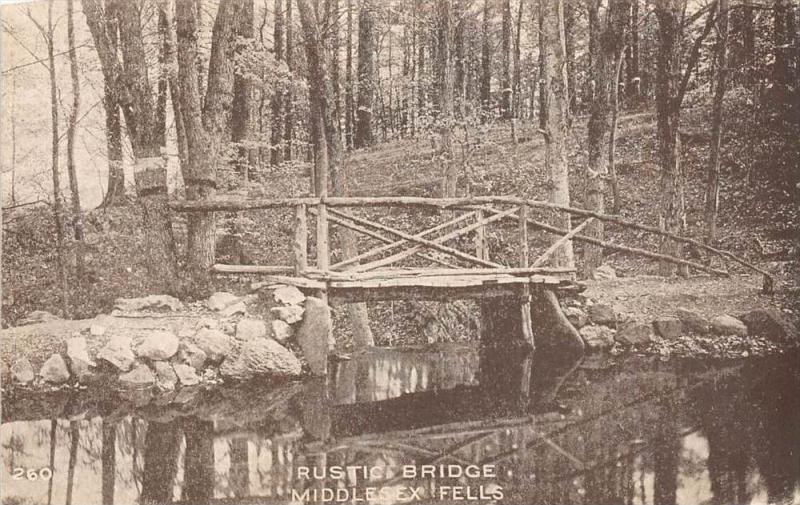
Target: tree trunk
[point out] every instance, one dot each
(276, 150)
(632, 77)
(77, 214)
(349, 118)
(13, 101)
(603, 43)
(460, 56)
(115, 192)
(712, 184)
(288, 120)
(569, 46)
(241, 121)
(366, 72)
(612, 141)
(161, 91)
(328, 148)
(672, 216)
(445, 85)
(58, 200)
(486, 54)
(517, 88)
(556, 114)
(505, 81)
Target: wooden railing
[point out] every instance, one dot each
(397, 245)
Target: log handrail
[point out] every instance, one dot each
(465, 203)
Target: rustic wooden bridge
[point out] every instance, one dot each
(446, 260)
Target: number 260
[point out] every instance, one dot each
(31, 474)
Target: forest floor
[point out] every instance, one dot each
(758, 221)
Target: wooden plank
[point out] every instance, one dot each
(323, 250)
(300, 244)
(251, 269)
(300, 282)
(393, 244)
(444, 238)
(378, 236)
(560, 242)
(523, 236)
(424, 242)
(391, 273)
(430, 293)
(442, 282)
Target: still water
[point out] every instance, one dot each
(497, 428)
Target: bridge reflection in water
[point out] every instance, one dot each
(555, 432)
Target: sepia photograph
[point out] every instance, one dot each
(493, 252)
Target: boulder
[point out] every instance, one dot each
(78, 354)
(148, 302)
(220, 300)
(190, 354)
(280, 330)
(635, 334)
(288, 295)
(22, 371)
(165, 375)
(597, 337)
(692, 321)
(290, 314)
(186, 374)
(248, 329)
(139, 377)
(600, 313)
(37, 316)
(232, 310)
(312, 335)
(604, 272)
(576, 316)
(97, 330)
(261, 357)
(770, 324)
(668, 327)
(728, 325)
(55, 370)
(117, 351)
(158, 345)
(216, 344)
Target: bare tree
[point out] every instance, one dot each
(77, 214)
(556, 115)
(366, 72)
(445, 93)
(241, 118)
(505, 80)
(486, 54)
(712, 184)
(276, 151)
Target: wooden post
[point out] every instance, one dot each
(323, 251)
(300, 245)
(481, 250)
(524, 259)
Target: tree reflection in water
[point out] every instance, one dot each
(558, 431)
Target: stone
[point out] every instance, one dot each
(248, 329)
(232, 310)
(600, 313)
(36, 317)
(597, 337)
(312, 334)
(55, 370)
(190, 354)
(635, 334)
(234, 368)
(97, 330)
(158, 345)
(187, 375)
(668, 327)
(692, 321)
(770, 324)
(117, 351)
(79, 361)
(148, 302)
(604, 272)
(139, 377)
(220, 300)
(728, 325)
(290, 314)
(216, 344)
(280, 330)
(288, 295)
(22, 371)
(576, 316)
(166, 378)
(267, 357)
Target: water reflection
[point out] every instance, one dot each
(555, 431)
